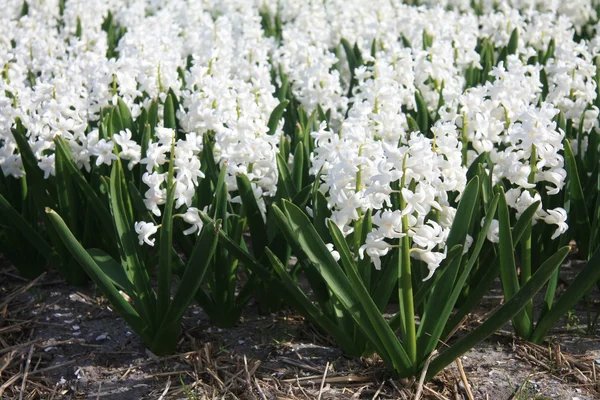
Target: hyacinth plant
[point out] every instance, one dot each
(155, 317)
(351, 297)
(125, 278)
(364, 147)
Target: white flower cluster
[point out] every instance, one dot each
(579, 12)
(228, 93)
(62, 68)
(506, 117)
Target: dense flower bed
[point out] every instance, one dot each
(426, 148)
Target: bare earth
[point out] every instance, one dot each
(61, 342)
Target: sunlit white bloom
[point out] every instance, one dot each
(468, 244)
(376, 247)
(428, 236)
(103, 150)
(192, 216)
(144, 231)
(13, 165)
(130, 150)
(493, 233)
(557, 216)
(431, 258)
(334, 253)
(46, 164)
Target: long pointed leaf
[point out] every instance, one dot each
(349, 290)
(578, 207)
(126, 238)
(194, 272)
(113, 270)
(19, 223)
(508, 267)
(124, 309)
(507, 311)
(275, 116)
(166, 244)
(308, 308)
(586, 278)
(95, 202)
(258, 231)
(446, 308)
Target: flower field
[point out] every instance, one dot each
(335, 159)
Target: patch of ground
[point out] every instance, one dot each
(62, 342)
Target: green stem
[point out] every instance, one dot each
(405, 290)
(526, 264)
(526, 239)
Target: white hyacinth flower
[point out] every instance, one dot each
(144, 231)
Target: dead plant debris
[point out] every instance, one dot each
(58, 342)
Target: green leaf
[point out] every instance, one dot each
(218, 208)
(595, 230)
(258, 231)
(17, 222)
(194, 272)
(458, 233)
(123, 308)
(126, 238)
(405, 41)
(321, 213)
(513, 42)
(153, 116)
(464, 213)
(427, 40)
(112, 269)
(484, 282)
(95, 202)
(283, 88)
(473, 169)
(126, 118)
(358, 55)
(39, 188)
(340, 244)
(139, 207)
(285, 178)
(476, 293)
(507, 311)
(298, 167)
(349, 290)
(413, 126)
(438, 306)
(144, 143)
(68, 204)
(303, 304)
(519, 229)
(422, 113)
(169, 112)
(115, 125)
(318, 286)
(275, 116)
(250, 262)
(582, 284)
(581, 224)
(350, 55)
(302, 197)
(208, 159)
(440, 313)
(364, 265)
(165, 266)
(384, 283)
(508, 268)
